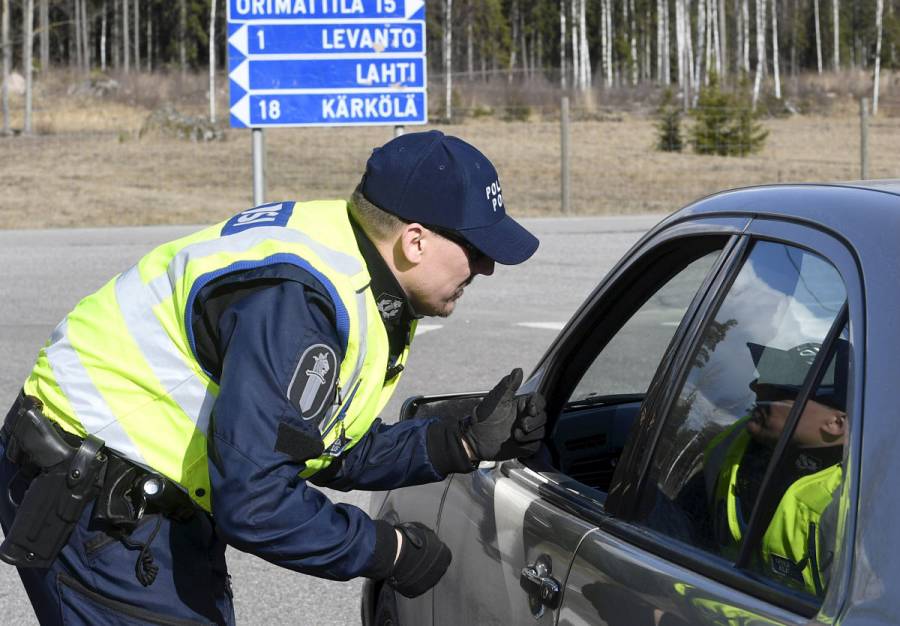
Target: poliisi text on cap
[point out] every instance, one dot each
(494, 194)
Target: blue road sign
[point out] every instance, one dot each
(329, 74)
(331, 109)
(251, 10)
(326, 62)
(330, 38)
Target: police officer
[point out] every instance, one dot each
(799, 543)
(191, 401)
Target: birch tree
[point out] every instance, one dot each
(667, 44)
(27, 47)
(745, 25)
(470, 47)
(562, 45)
(448, 57)
(702, 22)
(574, 13)
(7, 60)
(514, 40)
(722, 47)
(835, 20)
(114, 36)
(632, 42)
(86, 36)
(660, 38)
(609, 46)
(879, 22)
(44, 30)
(818, 35)
(775, 69)
(679, 41)
(125, 44)
(103, 39)
(760, 48)
(137, 34)
(76, 26)
(585, 51)
(149, 41)
(212, 61)
(182, 36)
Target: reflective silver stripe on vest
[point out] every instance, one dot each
(177, 378)
(90, 409)
(239, 242)
(363, 334)
(136, 299)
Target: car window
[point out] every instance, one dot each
(628, 361)
(598, 417)
(717, 441)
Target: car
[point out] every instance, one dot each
(675, 485)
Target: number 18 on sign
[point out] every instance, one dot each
(327, 62)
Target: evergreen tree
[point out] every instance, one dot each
(726, 124)
(668, 124)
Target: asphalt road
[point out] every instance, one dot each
(504, 321)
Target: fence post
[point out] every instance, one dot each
(564, 154)
(864, 138)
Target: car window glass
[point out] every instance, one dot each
(589, 436)
(746, 371)
(628, 361)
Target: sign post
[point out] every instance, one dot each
(324, 63)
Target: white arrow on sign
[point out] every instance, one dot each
(412, 6)
(239, 40)
(241, 110)
(241, 75)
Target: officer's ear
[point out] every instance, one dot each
(411, 244)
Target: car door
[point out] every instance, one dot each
(705, 492)
(512, 537)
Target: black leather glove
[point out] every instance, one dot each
(503, 426)
(423, 560)
(528, 429)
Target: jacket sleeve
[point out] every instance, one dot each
(259, 503)
(398, 455)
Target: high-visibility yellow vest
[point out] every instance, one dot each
(791, 546)
(123, 364)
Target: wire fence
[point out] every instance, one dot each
(615, 165)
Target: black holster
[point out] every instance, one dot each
(65, 479)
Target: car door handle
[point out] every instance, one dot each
(539, 584)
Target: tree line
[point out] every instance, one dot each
(579, 44)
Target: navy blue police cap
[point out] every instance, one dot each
(781, 373)
(441, 181)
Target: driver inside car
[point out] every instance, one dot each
(798, 545)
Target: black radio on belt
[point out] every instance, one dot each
(65, 479)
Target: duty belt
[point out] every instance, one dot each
(66, 473)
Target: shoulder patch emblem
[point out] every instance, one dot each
(314, 381)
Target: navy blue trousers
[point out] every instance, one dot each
(93, 580)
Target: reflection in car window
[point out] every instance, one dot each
(628, 361)
(717, 442)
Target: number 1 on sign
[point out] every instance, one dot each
(261, 35)
(269, 110)
(386, 6)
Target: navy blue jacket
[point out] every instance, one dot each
(252, 327)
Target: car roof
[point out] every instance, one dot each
(858, 210)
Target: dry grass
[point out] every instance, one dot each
(85, 166)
